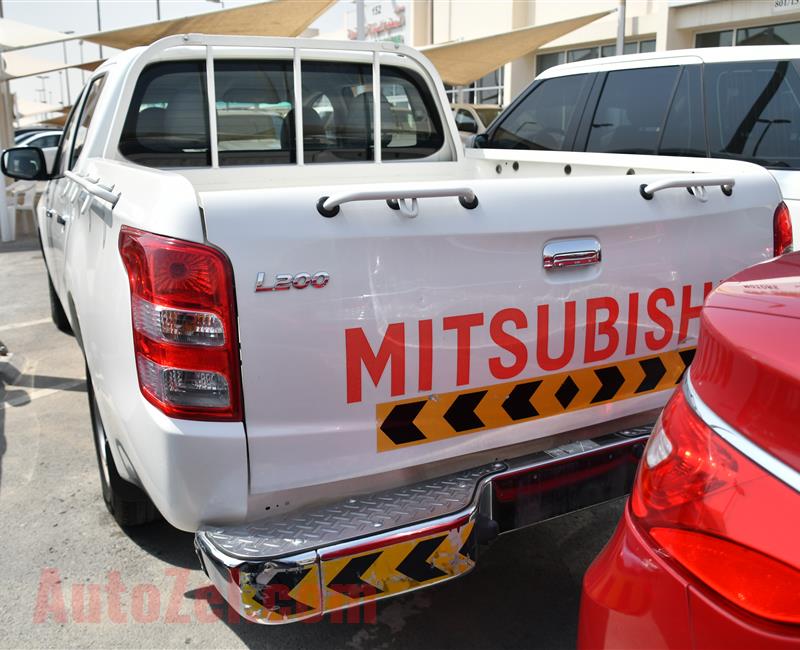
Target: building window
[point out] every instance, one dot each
(582, 54)
(611, 50)
(647, 46)
(714, 39)
(786, 34)
(549, 59)
(487, 90)
(544, 61)
(782, 34)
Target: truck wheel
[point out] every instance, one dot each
(57, 312)
(127, 503)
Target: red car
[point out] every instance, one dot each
(707, 554)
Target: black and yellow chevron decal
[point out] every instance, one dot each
(283, 596)
(389, 570)
(418, 420)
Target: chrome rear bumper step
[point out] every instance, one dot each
(346, 554)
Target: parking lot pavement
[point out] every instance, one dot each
(71, 577)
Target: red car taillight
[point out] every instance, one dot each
(184, 326)
(782, 230)
(716, 514)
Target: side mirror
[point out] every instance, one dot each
(478, 141)
(468, 127)
(24, 163)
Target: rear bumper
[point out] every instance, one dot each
(371, 547)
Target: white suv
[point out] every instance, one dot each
(727, 102)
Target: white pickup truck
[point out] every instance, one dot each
(341, 349)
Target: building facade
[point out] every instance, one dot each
(651, 25)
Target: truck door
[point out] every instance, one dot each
(66, 196)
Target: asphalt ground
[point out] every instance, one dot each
(70, 577)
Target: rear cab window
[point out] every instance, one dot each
(167, 124)
(753, 111)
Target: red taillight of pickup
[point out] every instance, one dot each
(782, 230)
(184, 326)
(714, 513)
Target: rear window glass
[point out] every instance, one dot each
(167, 123)
(542, 119)
(254, 112)
(631, 111)
(753, 112)
(338, 114)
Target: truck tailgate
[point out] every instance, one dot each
(444, 335)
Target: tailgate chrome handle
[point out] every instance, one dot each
(693, 183)
(328, 206)
(566, 253)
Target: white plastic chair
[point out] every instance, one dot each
(8, 222)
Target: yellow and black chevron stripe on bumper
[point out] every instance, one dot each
(418, 420)
(397, 566)
(343, 577)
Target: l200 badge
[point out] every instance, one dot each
(284, 281)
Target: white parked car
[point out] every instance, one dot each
(346, 356)
(735, 103)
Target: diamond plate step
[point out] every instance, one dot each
(350, 519)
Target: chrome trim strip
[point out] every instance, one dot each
(767, 461)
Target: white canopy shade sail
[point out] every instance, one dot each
(14, 35)
(462, 62)
(27, 108)
(275, 18)
(21, 64)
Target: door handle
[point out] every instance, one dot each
(49, 213)
(60, 220)
(566, 253)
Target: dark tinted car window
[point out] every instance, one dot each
(167, 123)
(753, 111)
(47, 141)
(684, 133)
(631, 110)
(542, 119)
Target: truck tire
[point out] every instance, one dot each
(127, 503)
(57, 312)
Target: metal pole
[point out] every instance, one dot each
(361, 30)
(43, 89)
(66, 71)
(620, 27)
(83, 72)
(158, 9)
(99, 25)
